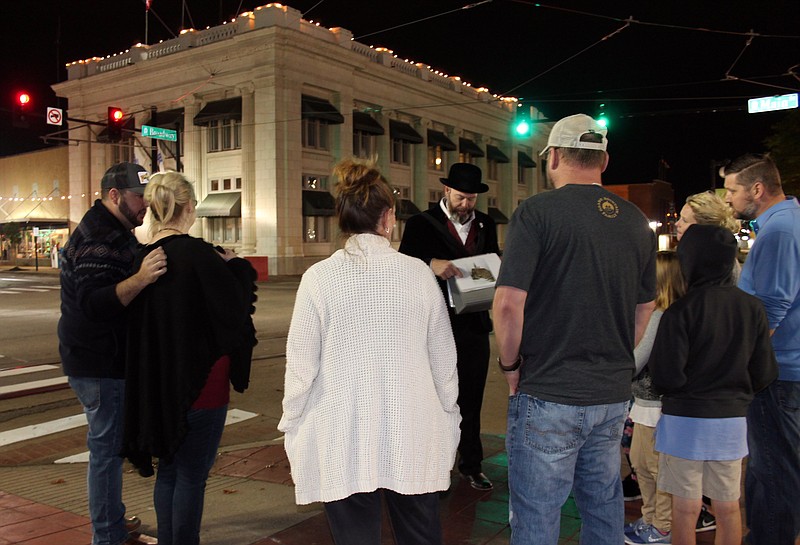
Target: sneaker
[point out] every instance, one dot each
(648, 534)
(630, 489)
(706, 521)
(633, 528)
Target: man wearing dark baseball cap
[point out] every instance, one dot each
(97, 284)
(453, 229)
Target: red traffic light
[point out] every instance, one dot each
(23, 98)
(114, 123)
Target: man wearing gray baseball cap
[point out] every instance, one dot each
(574, 293)
(97, 284)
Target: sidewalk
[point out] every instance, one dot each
(250, 501)
(249, 495)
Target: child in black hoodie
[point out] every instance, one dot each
(711, 354)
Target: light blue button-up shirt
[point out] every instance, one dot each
(772, 273)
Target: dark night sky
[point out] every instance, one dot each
(664, 86)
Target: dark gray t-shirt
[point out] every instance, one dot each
(586, 258)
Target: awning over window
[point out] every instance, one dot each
(525, 160)
(221, 205)
(30, 210)
(497, 215)
(465, 145)
(319, 108)
(438, 138)
(494, 154)
(230, 108)
(405, 209)
(318, 203)
(364, 122)
(399, 130)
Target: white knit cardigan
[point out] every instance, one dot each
(371, 384)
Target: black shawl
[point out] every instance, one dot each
(178, 327)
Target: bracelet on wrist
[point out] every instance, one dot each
(511, 367)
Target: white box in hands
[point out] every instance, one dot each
(474, 291)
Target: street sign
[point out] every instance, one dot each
(770, 104)
(54, 116)
(159, 134)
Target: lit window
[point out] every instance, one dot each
(316, 228)
(225, 230)
(224, 134)
(436, 158)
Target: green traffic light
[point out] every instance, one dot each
(522, 128)
(603, 121)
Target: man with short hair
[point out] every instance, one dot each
(574, 295)
(97, 284)
(453, 229)
(772, 480)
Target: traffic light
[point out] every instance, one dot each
(20, 113)
(522, 122)
(114, 123)
(602, 116)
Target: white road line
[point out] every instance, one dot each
(34, 384)
(234, 416)
(13, 371)
(39, 430)
(17, 290)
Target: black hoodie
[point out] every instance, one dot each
(712, 352)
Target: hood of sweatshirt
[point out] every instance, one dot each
(706, 254)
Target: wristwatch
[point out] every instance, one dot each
(510, 368)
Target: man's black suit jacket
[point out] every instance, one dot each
(427, 237)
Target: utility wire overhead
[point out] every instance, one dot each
(664, 25)
(462, 8)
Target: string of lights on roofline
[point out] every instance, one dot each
(497, 97)
(44, 199)
(378, 49)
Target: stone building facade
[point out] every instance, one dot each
(265, 105)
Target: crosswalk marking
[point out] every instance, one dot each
(13, 371)
(234, 417)
(39, 430)
(33, 385)
(17, 290)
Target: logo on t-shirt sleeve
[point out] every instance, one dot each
(607, 207)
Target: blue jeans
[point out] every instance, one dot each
(180, 488)
(554, 448)
(103, 401)
(772, 478)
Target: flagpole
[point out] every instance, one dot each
(146, 24)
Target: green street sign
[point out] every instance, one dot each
(159, 134)
(770, 104)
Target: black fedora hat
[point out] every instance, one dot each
(466, 178)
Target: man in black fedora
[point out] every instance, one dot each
(453, 229)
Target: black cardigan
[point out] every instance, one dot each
(178, 327)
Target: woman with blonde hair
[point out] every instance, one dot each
(190, 335)
(706, 208)
(369, 407)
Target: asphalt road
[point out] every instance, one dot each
(29, 312)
